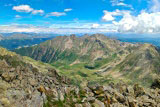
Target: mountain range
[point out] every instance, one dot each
(97, 58)
(17, 40)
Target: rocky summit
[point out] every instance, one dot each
(27, 83)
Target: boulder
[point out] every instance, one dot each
(98, 103)
(119, 97)
(130, 90)
(33, 82)
(8, 76)
(132, 102)
(78, 105)
(90, 99)
(86, 104)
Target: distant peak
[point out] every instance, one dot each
(73, 36)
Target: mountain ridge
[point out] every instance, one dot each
(78, 45)
(98, 58)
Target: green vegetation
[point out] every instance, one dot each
(80, 75)
(100, 62)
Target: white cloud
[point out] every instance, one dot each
(143, 23)
(110, 16)
(38, 12)
(59, 28)
(22, 8)
(120, 3)
(18, 16)
(75, 25)
(95, 25)
(155, 6)
(57, 14)
(92, 27)
(68, 9)
(27, 9)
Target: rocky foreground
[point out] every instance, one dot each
(24, 84)
(20, 87)
(113, 95)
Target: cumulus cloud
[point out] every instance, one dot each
(147, 21)
(143, 23)
(110, 16)
(68, 9)
(27, 9)
(57, 14)
(23, 8)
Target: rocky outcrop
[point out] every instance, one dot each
(26, 86)
(118, 95)
(22, 85)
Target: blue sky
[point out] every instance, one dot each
(80, 16)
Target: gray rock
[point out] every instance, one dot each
(98, 103)
(90, 99)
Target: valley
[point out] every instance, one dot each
(98, 59)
